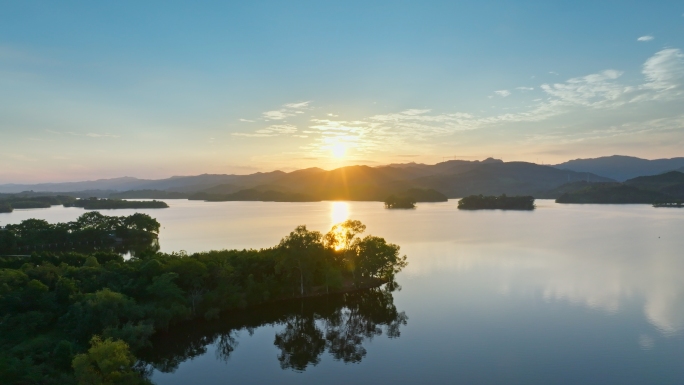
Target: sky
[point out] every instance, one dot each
(151, 89)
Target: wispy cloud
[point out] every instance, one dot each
(288, 110)
(645, 38)
(246, 120)
(407, 130)
(665, 70)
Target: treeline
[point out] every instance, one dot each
(109, 204)
(254, 195)
(10, 202)
(67, 317)
(503, 202)
(89, 229)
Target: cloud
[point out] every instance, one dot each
(645, 38)
(278, 129)
(299, 105)
(272, 130)
(664, 70)
(288, 110)
(407, 130)
(246, 120)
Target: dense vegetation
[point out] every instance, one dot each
(107, 204)
(71, 318)
(503, 202)
(400, 202)
(9, 202)
(89, 229)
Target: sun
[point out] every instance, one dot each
(338, 150)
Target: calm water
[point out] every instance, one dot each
(567, 294)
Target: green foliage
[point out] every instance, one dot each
(91, 228)
(503, 202)
(106, 362)
(52, 304)
(5, 207)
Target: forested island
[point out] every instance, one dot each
(400, 202)
(69, 318)
(503, 202)
(10, 202)
(113, 204)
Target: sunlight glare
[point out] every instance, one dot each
(339, 212)
(338, 150)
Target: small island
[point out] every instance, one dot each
(113, 204)
(9, 203)
(503, 202)
(678, 204)
(400, 202)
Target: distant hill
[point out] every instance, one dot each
(666, 187)
(450, 179)
(621, 168)
(512, 178)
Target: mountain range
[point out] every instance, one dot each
(621, 167)
(450, 179)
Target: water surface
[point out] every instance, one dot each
(566, 294)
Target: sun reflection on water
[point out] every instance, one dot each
(339, 212)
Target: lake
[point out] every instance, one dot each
(566, 294)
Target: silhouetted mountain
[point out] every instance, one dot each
(667, 187)
(621, 168)
(453, 179)
(513, 178)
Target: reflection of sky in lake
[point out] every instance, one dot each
(564, 294)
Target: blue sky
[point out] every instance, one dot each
(154, 89)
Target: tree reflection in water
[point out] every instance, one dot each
(338, 324)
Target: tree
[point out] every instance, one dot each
(377, 258)
(342, 238)
(106, 362)
(142, 222)
(297, 252)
